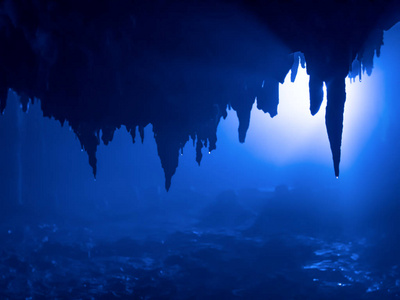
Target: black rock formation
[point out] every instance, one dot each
(175, 64)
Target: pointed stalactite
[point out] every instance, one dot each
(206, 135)
(193, 137)
(355, 69)
(220, 112)
(268, 97)
(213, 140)
(316, 93)
(141, 132)
(295, 66)
(371, 47)
(89, 140)
(244, 123)
(132, 132)
(336, 96)
(243, 111)
(199, 155)
(107, 134)
(169, 142)
(302, 59)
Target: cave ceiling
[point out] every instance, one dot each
(181, 64)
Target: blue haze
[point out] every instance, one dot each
(292, 230)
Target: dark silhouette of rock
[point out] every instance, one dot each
(176, 64)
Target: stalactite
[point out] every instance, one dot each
(336, 96)
(316, 93)
(243, 114)
(169, 140)
(268, 97)
(107, 134)
(179, 64)
(89, 139)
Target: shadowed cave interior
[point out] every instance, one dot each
(170, 63)
(175, 70)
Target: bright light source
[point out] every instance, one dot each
(295, 136)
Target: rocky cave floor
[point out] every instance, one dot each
(223, 250)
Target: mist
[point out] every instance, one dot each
(263, 219)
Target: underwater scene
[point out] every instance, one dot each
(192, 149)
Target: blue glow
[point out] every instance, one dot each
(295, 136)
(259, 220)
